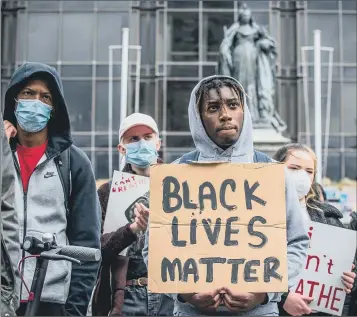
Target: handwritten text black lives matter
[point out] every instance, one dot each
(327, 295)
(176, 195)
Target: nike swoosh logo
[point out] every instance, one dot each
(49, 174)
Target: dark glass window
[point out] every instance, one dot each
(351, 165)
(178, 96)
(42, 37)
(101, 105)
(350, 109)
(183, 35)
(218, 4)
(334, 166)
(77, 37)
(107, 22)
(42, 5)
(215, 23)
(182, 4)
(322, 5)
(78, 5)
(349, 38)
(329, 26)
(78, 96)
(122, 5)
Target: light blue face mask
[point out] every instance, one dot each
(141, 154)
(32, 114)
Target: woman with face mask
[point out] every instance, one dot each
(122, 284)
(301, 163)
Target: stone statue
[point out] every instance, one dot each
(248, 54)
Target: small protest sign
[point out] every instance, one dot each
(126, 190)
(331, 252)
(217, 224)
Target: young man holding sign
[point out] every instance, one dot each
(221, 128)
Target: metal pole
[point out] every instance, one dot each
(305, 78)
(110, 114)
(124, 77)
(124, 74)
(317, 87)
(137, 82)
(328, 110)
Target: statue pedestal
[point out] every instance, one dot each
(268, 140)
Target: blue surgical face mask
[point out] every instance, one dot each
(32, 114)
(141, 154)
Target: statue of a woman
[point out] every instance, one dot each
(248, 54)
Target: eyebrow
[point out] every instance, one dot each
(233, 99)
(44, 93)
(218, 100)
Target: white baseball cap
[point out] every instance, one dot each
(137, 119)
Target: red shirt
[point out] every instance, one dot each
(28, 159)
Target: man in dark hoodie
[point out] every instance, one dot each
(10, 244)
(35, 105)
(221, 128)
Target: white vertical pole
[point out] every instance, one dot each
(137, 82)
(305, 78)
(328, 110)
(110, 113)
(317, 86)
(124, 74)
(124, 77)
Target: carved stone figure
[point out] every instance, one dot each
(248, 54)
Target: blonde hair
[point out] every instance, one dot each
(282, 155)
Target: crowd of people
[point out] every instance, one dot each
(48, 186)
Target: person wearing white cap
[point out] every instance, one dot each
(122, 284)
(139, 142)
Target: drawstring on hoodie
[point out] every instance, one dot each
(216, 153)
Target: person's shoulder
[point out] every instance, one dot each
(80, 165)
(103, 194)
(328, 210)
(105, 187)
(353, 222)
(261, 157)
(78, 157)
(187, 157)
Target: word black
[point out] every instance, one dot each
(206, 191)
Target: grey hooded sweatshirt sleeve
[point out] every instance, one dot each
(10, 255)
(242, 152)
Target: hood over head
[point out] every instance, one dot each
(59, 124)
(240, 152)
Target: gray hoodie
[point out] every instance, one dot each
(10, 243)
(242, 152)
(42, 208)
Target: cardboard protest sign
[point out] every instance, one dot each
(126, 190)
(214, 225)
(331, 252)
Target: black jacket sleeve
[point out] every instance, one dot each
(83, 229)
